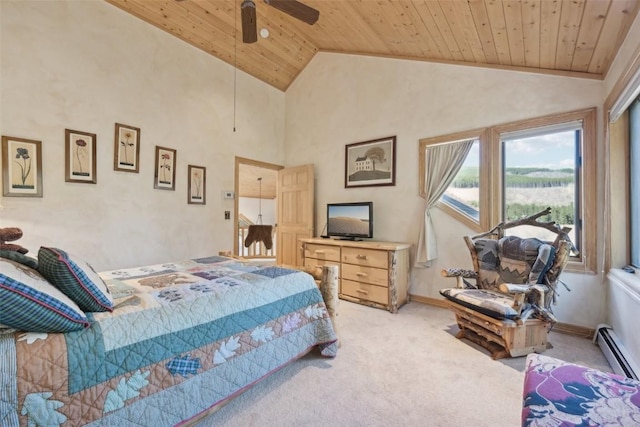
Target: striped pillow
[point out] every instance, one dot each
(30, 303)
(75, 278)
(18, 257)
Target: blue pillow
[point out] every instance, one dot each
(75, 278)
(30, 303)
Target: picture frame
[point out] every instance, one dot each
(126, 150)
(21, 167)
(165, 170)
(197, 185)
(370, 163)
(80, 157)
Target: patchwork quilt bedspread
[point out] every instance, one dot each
(183, 337)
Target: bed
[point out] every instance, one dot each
(182, 339)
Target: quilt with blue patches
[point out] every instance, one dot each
(183, 337)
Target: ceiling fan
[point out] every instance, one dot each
(290, 7)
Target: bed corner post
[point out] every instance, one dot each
(329, 291)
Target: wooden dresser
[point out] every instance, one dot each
(371, 273)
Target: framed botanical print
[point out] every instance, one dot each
(165, 171)
(21, 167)
(80, 157)
(126, 149)
(197, 192)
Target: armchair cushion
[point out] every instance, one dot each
(512, 260)
(491, 303)
(524, 260)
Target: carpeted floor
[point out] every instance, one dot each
(404, 369)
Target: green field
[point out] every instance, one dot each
(529, 190)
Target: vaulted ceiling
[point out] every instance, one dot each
(574, 37)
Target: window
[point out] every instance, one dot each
(541, 168)
(520, 168)
(567, 141)
(634, 182)
(463, 194)
(462, 197)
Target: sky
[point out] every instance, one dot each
(553, 151)
(360, 212)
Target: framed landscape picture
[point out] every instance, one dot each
(370, 163)
(21, 167)
(126, 151)
(80, 157)
(165, 172)
(197, 185)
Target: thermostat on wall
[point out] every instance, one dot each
(228, 194)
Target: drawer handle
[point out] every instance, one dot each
(318, 251)
(361, 274)
(359, 256)
(362, 291)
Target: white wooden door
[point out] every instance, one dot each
(295, 194)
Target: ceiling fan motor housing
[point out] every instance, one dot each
(248, 14)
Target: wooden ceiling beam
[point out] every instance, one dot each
(495, 12)
(483, 27)
(570, 20)
(513, 22)
(593, 18)
(442, 24)
(617, 23)
(464, 18)
(549, 28)
(531, 10)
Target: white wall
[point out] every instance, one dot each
(342, 99)
(87, 65)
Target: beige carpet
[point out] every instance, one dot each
(404, 369)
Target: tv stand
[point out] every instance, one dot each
(371, 273)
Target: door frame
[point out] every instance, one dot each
(249, 162)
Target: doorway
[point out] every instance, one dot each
(255, 204)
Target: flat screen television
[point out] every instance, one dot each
(350, 220)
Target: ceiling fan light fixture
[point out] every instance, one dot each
(264, 33)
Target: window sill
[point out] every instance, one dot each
(579, 267)
(630, 279)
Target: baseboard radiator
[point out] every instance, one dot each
(619, 340)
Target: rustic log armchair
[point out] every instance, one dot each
(508, 311)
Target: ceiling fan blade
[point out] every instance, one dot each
(296, 9)
(248, 15)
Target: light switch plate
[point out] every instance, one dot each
(228, 194)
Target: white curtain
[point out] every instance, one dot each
(442, 164)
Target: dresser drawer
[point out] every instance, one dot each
(367, 257)
(359, 273)
(322, 252)
(318, 263)
(366, 292)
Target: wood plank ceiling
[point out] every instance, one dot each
(558, 36)
(250, 185)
